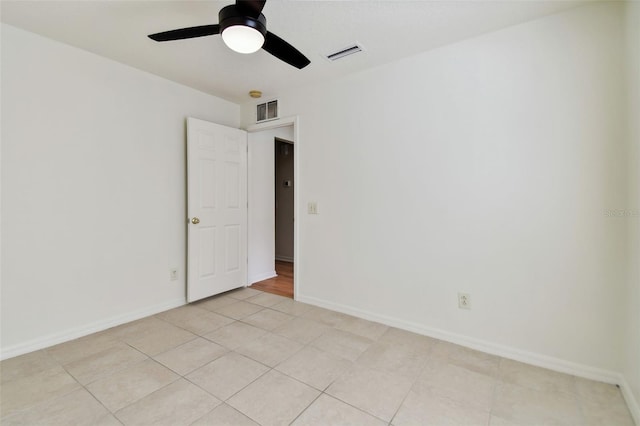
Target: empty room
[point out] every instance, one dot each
(299, 212)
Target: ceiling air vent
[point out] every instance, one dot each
(267, 111)
(345, 52)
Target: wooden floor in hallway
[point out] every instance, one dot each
(282, 285)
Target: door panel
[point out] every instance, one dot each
(217, 197)
(207, 256)
(232, 234)
(232, 176)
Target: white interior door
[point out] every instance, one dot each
(217, 209)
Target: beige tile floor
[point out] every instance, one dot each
(248, 358)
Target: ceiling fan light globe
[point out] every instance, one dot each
(242, 39)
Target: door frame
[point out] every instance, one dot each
(274, 124)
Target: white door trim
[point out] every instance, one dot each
(274, 124)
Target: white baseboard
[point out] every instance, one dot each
(532, 358)
(261, 277)
(284, 258)
(76, 332)
(629, 397)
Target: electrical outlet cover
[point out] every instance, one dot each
(464, 301)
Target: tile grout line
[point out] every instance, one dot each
(579, 402)
(109, 412)
(497, 377)
(274, 368)
(151, 393)
(494, 394)
(207, 413)
(413, 383)
(322, 392)
(197, 334)
(305, 408)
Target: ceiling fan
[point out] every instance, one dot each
(244, 29)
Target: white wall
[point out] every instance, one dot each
(262, 200)
(93, 189)
(485, 167)
(632, 208)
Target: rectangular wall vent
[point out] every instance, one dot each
(267, 111)
(345, 52)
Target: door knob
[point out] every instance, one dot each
(195, 221)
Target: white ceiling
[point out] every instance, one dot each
(388, 30)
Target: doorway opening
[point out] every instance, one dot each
(273, 204)
(283, 166)
(281, 284)
(284, 201)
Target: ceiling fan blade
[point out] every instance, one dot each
(284, 51)
(252, 8)
(182, 33)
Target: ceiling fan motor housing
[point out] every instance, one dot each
(231, 15)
